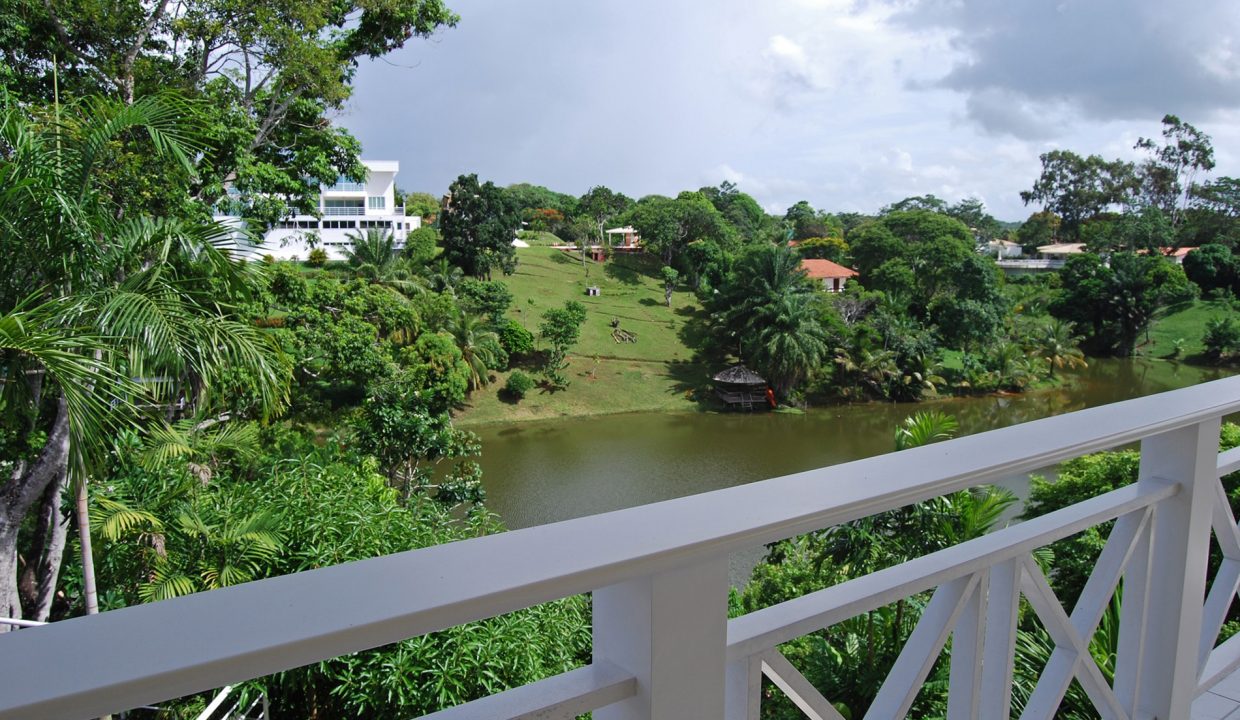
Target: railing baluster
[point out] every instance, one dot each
(744, 689)
(1133, 623)
(921, 650)
(1059, 626)
(670, 632)
(799, 690)
(1125, 538)
(1227, 580)
(965, 679)
(1166, 680)
(999, 646)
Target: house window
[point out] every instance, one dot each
(376, 202)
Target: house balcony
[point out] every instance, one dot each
(345, 187)
(343, 211)
(664, 646)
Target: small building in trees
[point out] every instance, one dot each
(831, 275)
(619, 240)
(1176, 255)
(1004, 249)
(624, 239)
(738, 386)
(1060, 251)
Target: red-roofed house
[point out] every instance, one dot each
(1176, 255)
(832, 275)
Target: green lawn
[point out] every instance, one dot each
(546, 278)
(657, 372)
(1188, 323)
(608, 386)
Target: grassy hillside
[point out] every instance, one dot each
(1187, 324)
(654, 373)
(630, 293)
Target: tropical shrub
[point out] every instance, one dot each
(515, 339)
(317, 257)
(1222, 337)
(518, 384)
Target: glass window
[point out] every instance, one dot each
(377, 202)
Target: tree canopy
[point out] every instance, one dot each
(478, 224)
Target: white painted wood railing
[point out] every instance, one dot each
(663, 646)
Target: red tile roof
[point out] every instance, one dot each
(825, 269)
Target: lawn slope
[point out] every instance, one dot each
(656, 372)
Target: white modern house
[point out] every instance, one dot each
(345, 208)
(664, 647)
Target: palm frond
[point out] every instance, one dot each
(97, 397)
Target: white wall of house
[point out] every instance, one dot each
(345, 209)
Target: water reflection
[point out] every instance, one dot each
(545, 471)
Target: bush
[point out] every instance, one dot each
(519, 384)
(422, 244)
(317, 258)
(1222, 337)
(515, 339)
(484, 297)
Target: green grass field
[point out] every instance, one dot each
(629, 292)
(1187, 323)
(656, 372)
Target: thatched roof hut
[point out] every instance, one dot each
(740, 386)
(740, 375)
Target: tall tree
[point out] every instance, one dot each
(600, 204)
(271, 76)
(478, 225)
(972, 212)
(765, 312)
(1077, 188)
(806, 222)
(668, 225)
(739, 209)
(1169, 175)
(120, 294)
(1113, 303)
(1041, 228)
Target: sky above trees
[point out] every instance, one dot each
(850, 104)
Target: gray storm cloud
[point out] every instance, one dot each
(1107, 59)
(798, 99)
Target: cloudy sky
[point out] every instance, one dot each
(850, 104)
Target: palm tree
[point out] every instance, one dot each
(919, 376)
(791, 344)
(372, 249)
(374, 256)
(1057, 345)
(1010, 364)
(443, 276)
(924, 428)
(769, 311)
(128, 312)
(479, 346)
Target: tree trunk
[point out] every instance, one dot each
(37, 583)
(10, 604)
(89, 591)
(17, 495)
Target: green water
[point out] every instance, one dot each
(541, 472)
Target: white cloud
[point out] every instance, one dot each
(838, 102)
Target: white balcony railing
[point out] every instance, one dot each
(350, 187)
(663, 645)
(336, 211)
(1031, 263)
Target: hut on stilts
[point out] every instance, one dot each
(738, 386)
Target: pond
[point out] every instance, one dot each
(545, 471)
